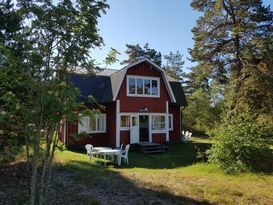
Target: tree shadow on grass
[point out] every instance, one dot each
(105, 186)
(13, 183)
(178, 155)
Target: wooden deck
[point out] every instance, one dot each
(150, 147)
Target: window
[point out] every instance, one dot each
(171, 122)
(132, 86)
(94, 124)
(142, 86)
(158, 122)
(154, 87)
(147, 87)
(125, 122)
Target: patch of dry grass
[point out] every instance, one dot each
(175, 177)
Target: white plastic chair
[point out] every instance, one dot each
(121, 146)
(124, 154)
(189, 136)
(89, 152)
(186, 136)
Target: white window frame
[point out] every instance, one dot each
(125, 128)
(158, 130)
(86, 128)
(135, 77)
(171, 122)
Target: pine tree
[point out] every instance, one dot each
(174, 64)
(223, 32)
(136, 53)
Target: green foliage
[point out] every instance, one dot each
(41, 43)
(200, 114)
(174, 64)
(111, 57)
(240, 144)
(136, 53)
(224, 31)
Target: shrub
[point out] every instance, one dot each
(240, 144)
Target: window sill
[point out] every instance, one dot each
(125, 129)
(143, 96)
(94, 132)
(158, 131)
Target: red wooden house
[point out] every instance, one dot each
(141, 104)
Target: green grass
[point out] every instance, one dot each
(175, 177)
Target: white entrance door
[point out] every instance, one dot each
(134, 129)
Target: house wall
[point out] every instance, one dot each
(124, 137)
(134, 104)
(176, 132)
(159, 138)
(131, 104)
(96, 139)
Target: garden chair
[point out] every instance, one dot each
(186, 136)
(124, 154)
(89, 152)
(189, 136)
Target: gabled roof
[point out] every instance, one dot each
(104, 86)
(164, 76)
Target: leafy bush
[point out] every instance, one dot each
(240, 144)
(200, 115)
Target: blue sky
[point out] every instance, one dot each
(165, 25)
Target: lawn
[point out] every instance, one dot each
(175, 177)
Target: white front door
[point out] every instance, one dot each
(134, 129)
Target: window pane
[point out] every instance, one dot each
(147, 88)
(132, 88)
(139, 86)
(100, 122)
(124, 121)
(83, 124)
(134, 121)
(92, 124)
(154, 87)
(158, 122)
(170, 122)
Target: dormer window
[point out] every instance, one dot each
(142, 86)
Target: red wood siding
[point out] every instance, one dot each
(97, 139)
(134, 104)
(111, 123)
(124, 137)
(159, 138)
(176, 133)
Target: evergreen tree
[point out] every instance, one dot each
(174, 64)
(136, 53)
(224, 31)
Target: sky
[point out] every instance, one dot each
(164, 24)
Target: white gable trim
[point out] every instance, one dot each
(169, 89)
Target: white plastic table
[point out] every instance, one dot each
(97, 149)
(110, 152)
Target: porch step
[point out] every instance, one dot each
(149, 148)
